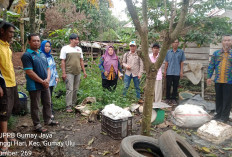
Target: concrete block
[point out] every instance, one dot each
(215, 132)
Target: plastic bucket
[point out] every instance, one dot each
(23, 103)
(160, 116)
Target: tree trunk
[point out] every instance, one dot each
(147, 109)
(31, 7)
(21, 26)
(150, 68)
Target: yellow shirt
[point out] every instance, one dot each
(6, 65)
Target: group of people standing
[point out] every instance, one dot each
(111, 69)
(42, 76)
(133, 65)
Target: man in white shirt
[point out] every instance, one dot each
(71, 64)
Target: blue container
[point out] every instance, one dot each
(23, 104)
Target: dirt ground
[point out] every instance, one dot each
(84, 139)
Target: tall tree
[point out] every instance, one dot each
(172, 20)
(151, 69)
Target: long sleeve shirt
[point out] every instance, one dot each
(54, 74)
(221, 62)
(159, 73)
(135, 62)
(101, 67)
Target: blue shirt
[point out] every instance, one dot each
(38, 63)
(174, 59)
(52, 66)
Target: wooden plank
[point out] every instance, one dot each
(197, 56)
(197, 50)
(218, 46)
(203, 62)
(194, 45)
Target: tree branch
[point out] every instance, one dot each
(145, 20)
(181, 21)
(173, 16)
(165, 7)
(134, 16)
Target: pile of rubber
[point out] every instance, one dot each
(169, 144)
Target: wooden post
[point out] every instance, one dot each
(202, 83)
(91, 52)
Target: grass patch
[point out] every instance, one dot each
(92, 87)
(11, 122)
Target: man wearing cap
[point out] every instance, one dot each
(158, 83)
(134, 69)
(173, 71)
(8, 88)
(71, 64)
(38, 77)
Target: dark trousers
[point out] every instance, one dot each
(44, 96)
(51, 90)
(172, 80)
(223, 100)
(109, 84)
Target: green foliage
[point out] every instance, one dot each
(110, 35)
(127, 34)
(60, 37)
(102, 19)
(58, 98)
(187, 85)
(201, 26)
(207, 29)
(92, 87)
(11, 122)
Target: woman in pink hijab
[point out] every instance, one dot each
(110, 69)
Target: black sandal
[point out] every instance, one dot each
(41, 130)
(53, 123)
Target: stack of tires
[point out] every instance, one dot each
(169, 144)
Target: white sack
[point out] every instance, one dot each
(115, 112)
(189, 116)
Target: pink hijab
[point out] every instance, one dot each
(110, 60)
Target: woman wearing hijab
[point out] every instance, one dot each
(110, 69)
(46, 49)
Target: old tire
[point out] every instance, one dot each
(137, 145)
(173, 145)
